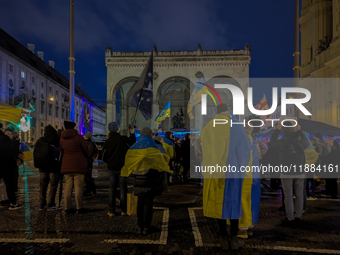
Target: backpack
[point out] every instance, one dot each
(293, 154)
(42, 154)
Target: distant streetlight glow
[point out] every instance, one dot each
(51, 98)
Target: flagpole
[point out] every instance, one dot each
(296, 53)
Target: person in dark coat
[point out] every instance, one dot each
(8, 168)
(93, 151)
(74, 151)
(185, 152)
(146, 185)
(49, 175)
(178, 154)
(114, 151)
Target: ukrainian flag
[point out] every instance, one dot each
(251, 191)
(310, 154)
(144, 155)
(196, 95)
(165, 113)
(169, 147)
(224, 145)
(164, 154)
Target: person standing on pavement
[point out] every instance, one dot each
(8, 168)
(93, 153)
(145, 161)
(114, 151)
(185, 161)
(291, 153)
(47, 159)
(225, 146)
(74, 151)
(251, 191)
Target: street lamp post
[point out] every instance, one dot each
(71, 59)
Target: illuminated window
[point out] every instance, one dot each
(22, 74)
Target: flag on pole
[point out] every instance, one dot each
(141, 94)
(196, 96)
(263, 105)
(165, 113)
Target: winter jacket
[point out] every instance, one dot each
(186, 153)
(74, 151)
(288, 138)
(7, 156)
(52, 138)
(114, 151)
(148, 183)
(91, 146)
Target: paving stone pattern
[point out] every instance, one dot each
(30, 231)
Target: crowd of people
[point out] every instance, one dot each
(153, 160)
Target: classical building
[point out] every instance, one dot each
(28, 82)
(174, 74)
(320, 58)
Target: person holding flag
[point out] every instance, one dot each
(222, 191)
(145, 161)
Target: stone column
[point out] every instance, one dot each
(123, 120)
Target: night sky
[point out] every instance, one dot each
(266, 25)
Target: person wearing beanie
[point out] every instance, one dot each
(69, 124)
(49, 167)
(93, 153)
(114, 151)
(74, 165)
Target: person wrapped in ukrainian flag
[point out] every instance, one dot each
(145, 161)
(251, 191)
(224, 146)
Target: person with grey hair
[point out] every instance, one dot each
(114, 151)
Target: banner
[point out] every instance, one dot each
(10, 114)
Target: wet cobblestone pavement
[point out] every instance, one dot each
(179, 225)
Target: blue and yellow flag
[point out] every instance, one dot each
(225, 146)
(165, 113)
(251, 191)
(169, 147)
(144, 155)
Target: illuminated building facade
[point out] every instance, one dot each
(26, 81)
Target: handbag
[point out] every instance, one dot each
(20, 159)
(131, 207)
(181, 170)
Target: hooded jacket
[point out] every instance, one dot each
(51, 136)
(7, 155)
(114, 151)
(74, 150)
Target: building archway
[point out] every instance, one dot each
(119, 96)
(177, 90)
